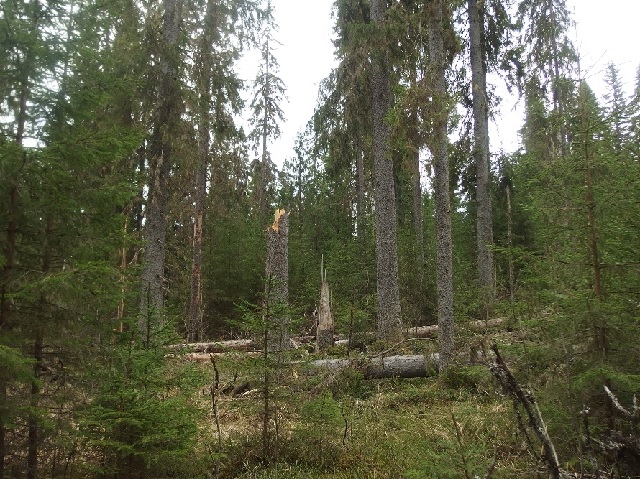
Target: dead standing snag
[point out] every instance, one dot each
(277, 282)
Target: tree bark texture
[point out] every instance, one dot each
(481, 153)
(195, 326)
(277, 277)
(389, 322)
(411, 366)
(444, 246)
(204, 65)
(167, 117)
(325, 329)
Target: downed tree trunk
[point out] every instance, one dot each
(413, 366)
(410, 366)
(296, 341)
(218, 346)
(524, 401)
(432, 331)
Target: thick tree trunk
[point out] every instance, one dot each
(325, 329)
(389, 322)
(195, 328)
(484, 227)
(277, 277)
(152, 294)
(444, 246)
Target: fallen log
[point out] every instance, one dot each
(411, 366)
(432, 331)
(206, 357)
(297, 341)
(218, 346)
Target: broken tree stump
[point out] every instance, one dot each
(325, 327)
(277, 285)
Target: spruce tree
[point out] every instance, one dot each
(439, 21)
(389, 321)
(268, 94)
(166, 119)
(481, 153)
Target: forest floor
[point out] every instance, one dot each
(340, 425)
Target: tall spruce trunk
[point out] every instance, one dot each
(195, 327)
(484, 227)
(444, 244)
(389, 322)
(167, 116)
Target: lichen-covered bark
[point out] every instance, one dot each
(411, 366)
(389, 323)
(444, 245)
(484, 225)
(277, 287)
(152, 294)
